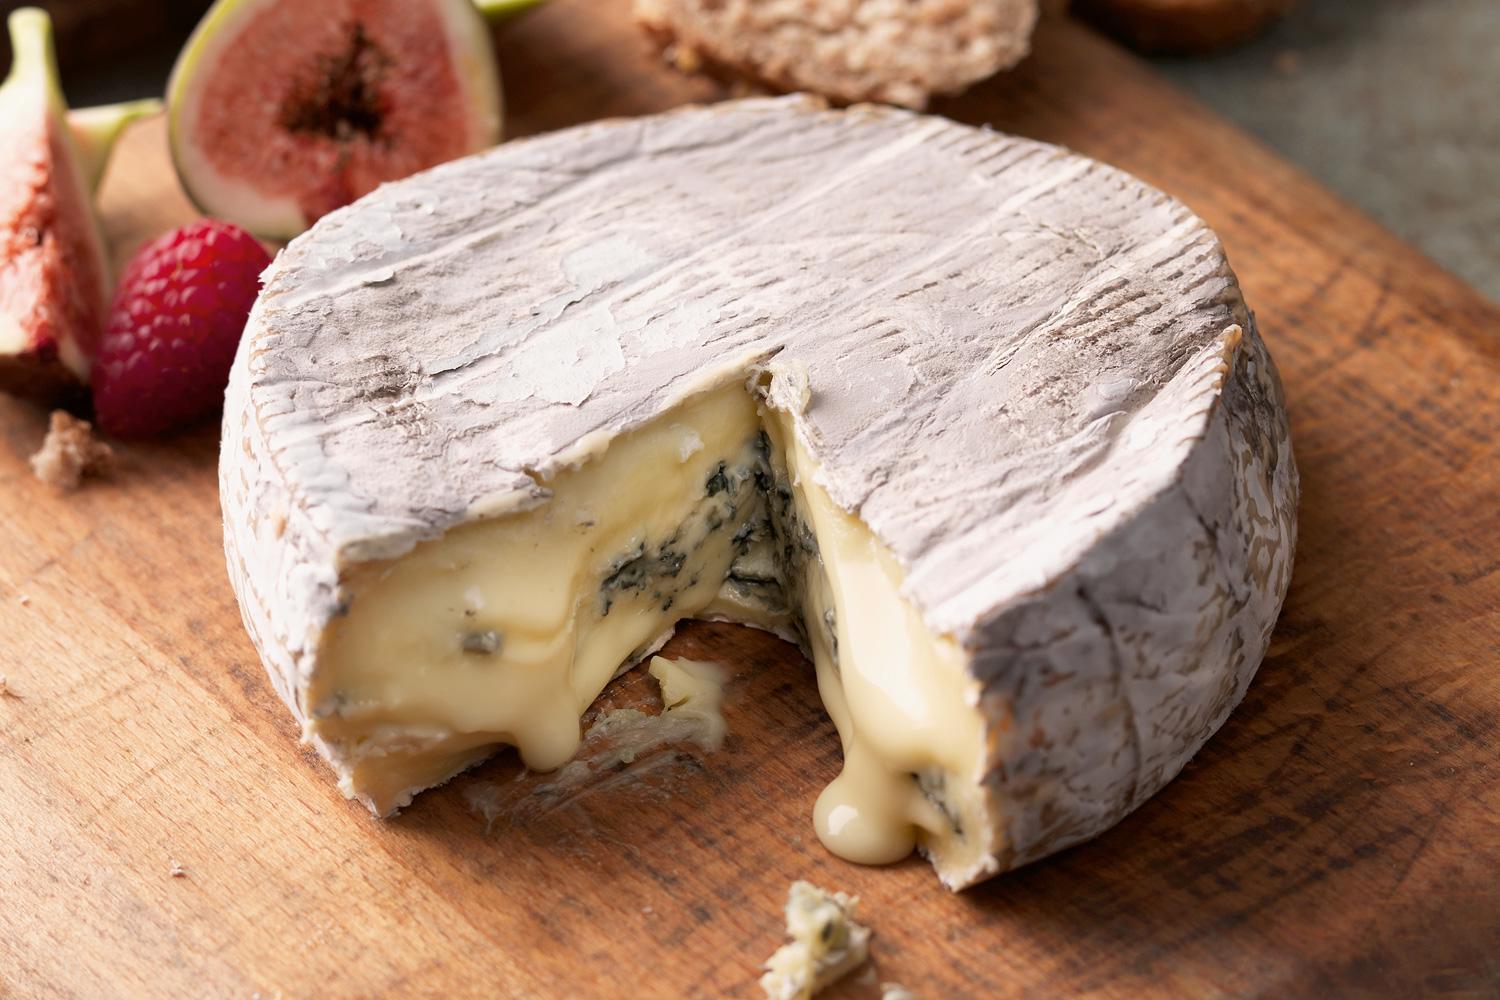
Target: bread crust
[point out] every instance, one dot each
(899, 52)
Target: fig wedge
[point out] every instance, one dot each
(54, 276)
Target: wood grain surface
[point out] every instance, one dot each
(1339, 838)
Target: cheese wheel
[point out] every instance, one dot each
(984, 424)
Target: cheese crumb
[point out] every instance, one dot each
(684, 58)
(692, 692)
(70, 452)
(827, 944)
(177, 871)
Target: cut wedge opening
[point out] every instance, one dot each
(505, 630)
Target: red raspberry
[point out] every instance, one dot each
(173, 328)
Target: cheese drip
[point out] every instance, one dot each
(503, 631)
(896, 692)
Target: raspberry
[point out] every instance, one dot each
(173, 329)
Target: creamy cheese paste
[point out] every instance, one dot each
(504, 630)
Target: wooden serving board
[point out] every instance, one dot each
(1340, 837)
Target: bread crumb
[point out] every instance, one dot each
(684, 58)
(895, 991)
(177, 871)
(70, 452)
(25, 600)
(5, 691)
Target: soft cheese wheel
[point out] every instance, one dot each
(985, 424)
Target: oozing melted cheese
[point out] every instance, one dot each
(503, 631)
(896, 692)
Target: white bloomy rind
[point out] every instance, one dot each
(1031, 376)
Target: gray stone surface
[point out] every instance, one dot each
(1395, 104)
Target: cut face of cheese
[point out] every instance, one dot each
(504, 631)
(986, 427)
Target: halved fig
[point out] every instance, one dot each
(54, 276)
(282, 110)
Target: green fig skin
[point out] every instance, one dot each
(96, 130)
(496, 11)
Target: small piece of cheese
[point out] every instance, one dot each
(692, 691)
(827, 944)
